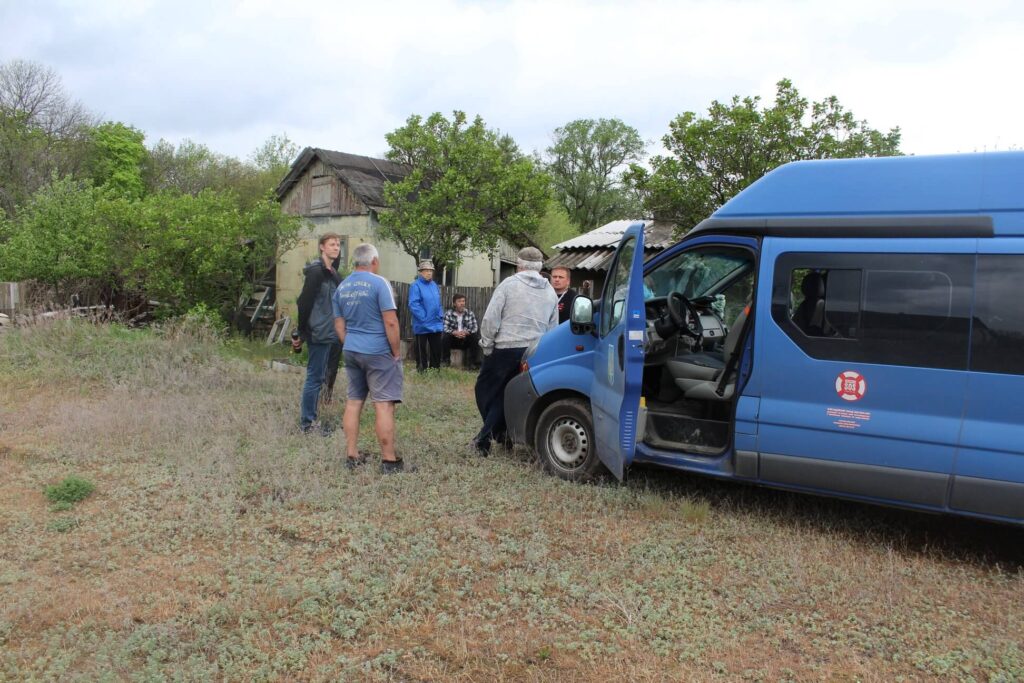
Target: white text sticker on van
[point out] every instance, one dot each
(844, 418)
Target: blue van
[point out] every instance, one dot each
(849, 328)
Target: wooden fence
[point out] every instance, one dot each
(477, 299)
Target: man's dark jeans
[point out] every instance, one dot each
(498, 370)
(428, 351)
(470, 344)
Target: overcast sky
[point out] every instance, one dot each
(340, 75)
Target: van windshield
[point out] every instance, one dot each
(697, 273)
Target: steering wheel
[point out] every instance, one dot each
(684, 315)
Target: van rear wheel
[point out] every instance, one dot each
(565, 441)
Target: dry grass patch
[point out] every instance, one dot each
(221, 544)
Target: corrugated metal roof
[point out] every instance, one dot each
(608, 235)
(594, 250)
(588, 259)
(656, 235)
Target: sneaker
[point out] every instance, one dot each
(318, 429)
(395, 467)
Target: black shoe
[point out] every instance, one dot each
(353, 464)
(395, 467)
(480, 449)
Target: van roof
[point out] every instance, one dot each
(974, 195)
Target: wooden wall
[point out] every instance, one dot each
(320, 192)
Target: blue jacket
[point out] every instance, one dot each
(425, 305)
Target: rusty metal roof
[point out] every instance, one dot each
(594, 250)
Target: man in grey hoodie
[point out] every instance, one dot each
(522, 308)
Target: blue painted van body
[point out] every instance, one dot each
(857, 331)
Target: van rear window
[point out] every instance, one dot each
(997, 339)
(894, 309)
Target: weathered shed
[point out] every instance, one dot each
(590, 254)
(342, 193)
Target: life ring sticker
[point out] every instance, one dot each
(851, 386)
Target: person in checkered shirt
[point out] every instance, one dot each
(461, 331)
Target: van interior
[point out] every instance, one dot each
(697, 306)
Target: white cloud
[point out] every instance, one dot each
(341, 75)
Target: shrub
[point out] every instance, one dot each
(62, 524)
(70, 491)
(200, 324)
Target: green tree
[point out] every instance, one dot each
(585, 162)
(56, 237)
(188, 168)
(191, 167)
(186, 250)
(116, 158)
(275, 155)
(554, 227)
(467, 187)
(712, 158)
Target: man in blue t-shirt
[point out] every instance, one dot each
(366, 320)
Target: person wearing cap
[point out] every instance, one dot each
(427, 317)
(522, 308)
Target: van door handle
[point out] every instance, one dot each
(622, 352)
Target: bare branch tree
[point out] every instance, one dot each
(36, 91)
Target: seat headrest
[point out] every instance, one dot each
(813, 285)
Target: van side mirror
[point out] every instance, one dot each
(581, 317)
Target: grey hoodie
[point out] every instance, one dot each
(522, 308)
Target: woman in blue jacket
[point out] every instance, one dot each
(427, 317)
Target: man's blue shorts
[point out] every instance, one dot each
(373, 374)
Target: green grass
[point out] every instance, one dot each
(227, 546)
(69, 491)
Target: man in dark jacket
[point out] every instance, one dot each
(316, 323)
(560, 276)
(427, 317)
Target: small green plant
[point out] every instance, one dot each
(70, 491)
(63, 524)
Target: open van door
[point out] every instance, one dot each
(619, 354)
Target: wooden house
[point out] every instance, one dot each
(343, 193)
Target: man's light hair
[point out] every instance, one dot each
(364, 254)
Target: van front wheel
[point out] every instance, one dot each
(565, 441)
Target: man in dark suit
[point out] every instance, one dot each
(560, 276)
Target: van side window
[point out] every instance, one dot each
(826, 303)
(997, 337)
(893, 309)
